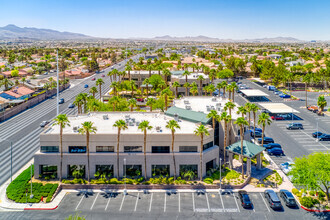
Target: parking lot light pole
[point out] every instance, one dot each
(125, 190)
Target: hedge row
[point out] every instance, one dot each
(20, 189)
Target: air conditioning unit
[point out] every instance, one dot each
(214, 99)
(137, 123)
(127, 116)
(75, 128)
(105, 117)
(130, 124)
(133, 120)
(157, 128)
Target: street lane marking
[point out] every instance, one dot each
(314, 140)
(82, 197)
(165, 203)
(137, 199)
(179, 203)
(150, 202)
(193, 201)
(94, 200)
(264, 202)
(236, 202)
(108, 202)
(207, 201)
(221, 200)
(122, 202)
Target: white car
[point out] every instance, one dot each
(286, 167)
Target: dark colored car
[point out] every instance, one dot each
(275, 151)
(93, 79)
(292, 126)
(273, 200)
(85, 86)
(71, 105)
(245, 199)
(61, 101)
(267, 140)
(272, 145)
(324, 137)
(288, 198)
(317, 134)
(257, 129)
(285, 96)
(44, 123)
(256, 134)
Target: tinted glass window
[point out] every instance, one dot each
(104, 148)
(77, 149)
(208, 145)
(133, 149)
(160, 149)
(49, 149)
(188, 148)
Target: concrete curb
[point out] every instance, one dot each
(314, 210)
(41, 208)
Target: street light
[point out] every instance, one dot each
(11, 158)
(220, 159)
(125, 190)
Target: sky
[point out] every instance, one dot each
(224, 19)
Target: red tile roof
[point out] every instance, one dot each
(20, 91)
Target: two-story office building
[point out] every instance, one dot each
(103, 147)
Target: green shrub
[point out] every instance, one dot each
(295, 191)
(312, 193)
(307, 201)
(208, 180)
(232, 174)
(320, 194)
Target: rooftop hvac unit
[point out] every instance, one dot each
(137, 123)
(157, 128)
(127, 116)
(105, 117)
(218, 104)
(186, 101)
(214, 99)
(130, 124)
(133, 120)
(75, 128)
(219, 109)
(212, 107)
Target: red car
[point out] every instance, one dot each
(93, 79)
(103, 75)
(140, 100)
(277, 117)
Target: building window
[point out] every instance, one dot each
(106, 170)
(161, 149)
(77, 149)
(134, 149)
(76, 171)
(189, 171)
(132, 170)
(105, 148)
(160, 170)
(208, 145)
(188, 148)
(49, 171)
(49, 149)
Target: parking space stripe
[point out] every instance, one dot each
(193, 201)
(137, 199)
(94, 200)
(236, 202)
(265, 202)
(207, 201)
(179, 203)
(314, 139)
(108, 202)
(122, 202)
(221, 200)
(150, 202)
(82, 197)
(165, 203)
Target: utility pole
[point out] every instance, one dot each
(57, 105)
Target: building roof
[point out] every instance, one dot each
(19, 91)
(253, 92)
(249, 149)
(278, 108)
(188, 115)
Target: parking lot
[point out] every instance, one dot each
(172, 203)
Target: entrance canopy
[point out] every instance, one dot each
(277, 108)
(253, 92)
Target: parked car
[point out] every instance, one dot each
(286, 167)
(103, 75)
(265, 86)
(61, 101)
(93, 79)
(257, 129)
(280, 93)
(71, 105)
(255, 134)
(272, 145)
(245, 199)
(85, 86)
(276, 92)
(288, 198)
(273, 200)
(285, 96)
(275, 151)
(312, 108)
(324, 137)
(44, 123)
(271, 88)
(317, 134)
(292, 126)
(140, 99)
(277, 117)
(267, 140)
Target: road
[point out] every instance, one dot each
(23, 130)
(164, 205)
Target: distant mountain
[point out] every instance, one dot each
(188, 38)
(11, 31)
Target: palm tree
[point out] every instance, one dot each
(144, 126)
(264, 120)
(186, 73)
(201, 130)
(241, 122)
(150, 103)
(306, 79)
(93, 90)
(87, 128)
(186, 85)
(166, 73)
(146, 82)
(229, 106)
(254, 108)
(61, 120)
(215, 116)
(78, 102)
(248, 109)
(233, 88)
(321, 102)
(226, 119)
(114, 85)
(128, 68)
(99, 82)
(23, 80)
(172, 125)
(166, 92)
(110, 74)
(200, 78)
(6, 83)
(229, 89)
(132, 85)
(224, 85)
(150, 68)
(132, 103)
(120, 125)
(194, 90)
(242, 110)
(114, 100)
(176, 85)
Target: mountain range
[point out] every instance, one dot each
(12, 32)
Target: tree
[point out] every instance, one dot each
(93, 90)
(312, 172)
(149, 68)
(144, 126)
(307, 79)
(241, 122)
(14, 73)
(201, 130)
(254, 109)
(321, 102)
(186, 73)
(223, 85)
(176, 85)
(200, 78)
(120, 125)
(146, 82)
(61, 120)
(87, 128)
(233, 87)
(114, 85)
(194, 90)
(128, 68)
(247, 106)
(99, 82)
(132, 87)
(166, 92)
(132, 103)
(23, 80)
(172, 125)
(226, 119)
(166, 73)
(242, 110)
(215, 116)
(150, 103)
(229, 106)
(264, 120)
